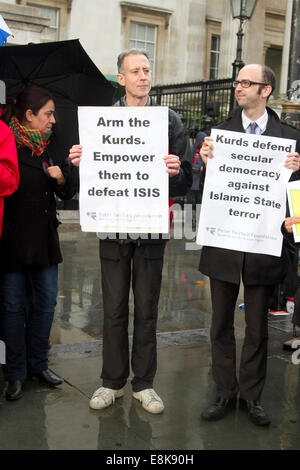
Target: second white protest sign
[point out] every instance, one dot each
(244, 200)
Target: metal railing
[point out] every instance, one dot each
(197, 102)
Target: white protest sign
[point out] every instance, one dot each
(123, 179)
(244, 200)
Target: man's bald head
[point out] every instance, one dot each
(266, 75)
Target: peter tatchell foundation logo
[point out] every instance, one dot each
(212, 230)
(2, 92)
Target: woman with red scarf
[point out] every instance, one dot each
(29, 247)
(9, 173)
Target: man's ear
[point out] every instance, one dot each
(121, 79)
(267, 91)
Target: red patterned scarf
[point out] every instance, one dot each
(34, 139)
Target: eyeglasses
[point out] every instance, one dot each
(247, 83)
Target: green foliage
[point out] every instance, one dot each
(194, 120)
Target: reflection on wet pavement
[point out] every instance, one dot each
(184, 300)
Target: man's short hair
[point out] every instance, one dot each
(268, 77)
(124, 54)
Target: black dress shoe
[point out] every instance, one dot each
(47, 377)
(219, 409)
(256, 413)
(14, 390)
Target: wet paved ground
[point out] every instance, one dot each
(61, 419)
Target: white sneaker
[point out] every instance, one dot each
(150, 400)
(104, 397)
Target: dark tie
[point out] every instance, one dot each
(252, 126)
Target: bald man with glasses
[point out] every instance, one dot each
(260, 273)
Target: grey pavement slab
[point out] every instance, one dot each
(61, 418)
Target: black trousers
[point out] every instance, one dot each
(253, 365)
(121, 263)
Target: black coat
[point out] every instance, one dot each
(227, 265)
(30, 238)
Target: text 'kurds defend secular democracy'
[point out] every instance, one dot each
(243, 142)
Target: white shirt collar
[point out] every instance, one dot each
(261, 122)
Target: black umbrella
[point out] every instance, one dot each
(67, 72)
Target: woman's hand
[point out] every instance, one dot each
(289, 222)
(206, 149)
(56, 173)
(75, 154)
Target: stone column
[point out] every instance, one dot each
(291, 109)
(294, 67)
(286, 48)
(229, 39)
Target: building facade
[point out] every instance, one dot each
(188, 40)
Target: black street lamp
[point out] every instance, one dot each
(242, 10)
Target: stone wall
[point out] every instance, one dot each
(184, 31)
(24, 22)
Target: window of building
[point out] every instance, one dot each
(51, 33)
(143, 36)
(214, 56)
(146, 27)
(213, 47)
(274, 61)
